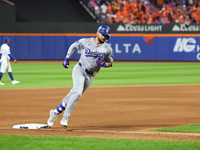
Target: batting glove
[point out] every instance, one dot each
(100, 63)
(66, 63)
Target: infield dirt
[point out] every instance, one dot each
(126, 112)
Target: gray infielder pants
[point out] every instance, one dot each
(81, 81)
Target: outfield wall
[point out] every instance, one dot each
(127, 47)
(130, 42)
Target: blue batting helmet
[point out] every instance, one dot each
(6, 39)
(105, 30)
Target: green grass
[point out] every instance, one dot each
(150, 74)
(195, 128)
(76, 143)
(37, 75)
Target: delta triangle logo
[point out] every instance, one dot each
(121, 28)
(149, 40)
(176, 28)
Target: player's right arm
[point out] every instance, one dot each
(71, 50)
(75, 45)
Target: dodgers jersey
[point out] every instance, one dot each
(90, 52)
(5, 51)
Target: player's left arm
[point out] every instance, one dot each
(11, 56)
(109, 59)
(108, 64)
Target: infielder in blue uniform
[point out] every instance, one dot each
(95, 53)
(5, 56)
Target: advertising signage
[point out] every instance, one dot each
(57, 27)
(157, 28)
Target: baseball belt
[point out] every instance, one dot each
(86, 70)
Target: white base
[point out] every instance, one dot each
(30, 126)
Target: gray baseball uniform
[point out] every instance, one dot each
(86, 69)
(95, 53)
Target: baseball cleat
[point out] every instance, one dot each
(52, 118)
(15, 82)
(64, 122)
(1, 83)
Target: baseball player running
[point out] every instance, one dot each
(5, 56)
(95, 53)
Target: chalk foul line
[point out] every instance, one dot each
(105, 131)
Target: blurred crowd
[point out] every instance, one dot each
(146, 11)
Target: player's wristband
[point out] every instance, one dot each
(103, 64)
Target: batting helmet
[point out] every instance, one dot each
(6, 39)
(105, 30)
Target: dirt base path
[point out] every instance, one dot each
(127, 112)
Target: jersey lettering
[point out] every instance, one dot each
(89, 53)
